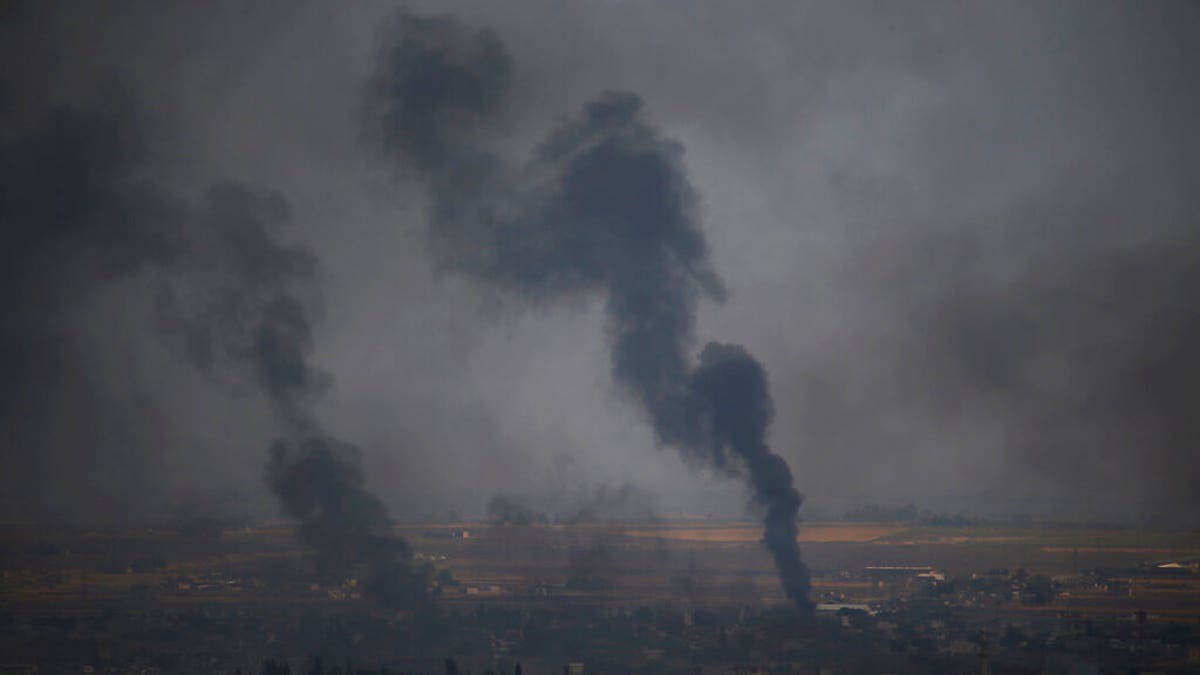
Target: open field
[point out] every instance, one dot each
(74, 596)
(616, 563)
(725, 563)
(818, 532)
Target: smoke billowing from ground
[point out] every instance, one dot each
(604, 504)
(730, 388)
(605, 208)
(80, 215)
(622, 504)
(984, 215)
(320, 483)
(504, 510)
(77, 216)
(248, 311)
(240, 303)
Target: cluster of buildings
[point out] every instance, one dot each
(869, 619)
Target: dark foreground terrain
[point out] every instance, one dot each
(689, 596)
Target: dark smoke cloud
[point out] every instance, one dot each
(983, 214)
(731, 387)
(511, 510)
(320, 482)
(1086, 357)
(603, 504)
(622, 504)
(77, 214)
(604, 207)
(80, 214)
(241, 306)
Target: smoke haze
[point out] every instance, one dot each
(230, 300)
(610, 209)
(959, 238)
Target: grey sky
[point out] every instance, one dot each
(961, 237)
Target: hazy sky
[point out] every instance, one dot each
(961, 237)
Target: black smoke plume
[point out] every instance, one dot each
(604, 504)
(320, 483)
(603, 207)
(244, 305)
(80, 213)
(506, 510)
(77, 216)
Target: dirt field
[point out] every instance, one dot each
(832, 532)
(630, 563)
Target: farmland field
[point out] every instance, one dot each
(252, 593)
(614, 563)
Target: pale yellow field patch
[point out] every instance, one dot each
(735, 534)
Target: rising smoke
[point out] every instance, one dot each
(77, 216)
(241, 305)
(602, 504)
(603, 207)
(986, 218)
(319, 482)
(80, 214)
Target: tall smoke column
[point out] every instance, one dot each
(242, 306)
(80, 213)
(604, 206)
(734, 387)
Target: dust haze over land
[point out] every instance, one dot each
(961, 239)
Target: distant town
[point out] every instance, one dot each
(638, 597)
